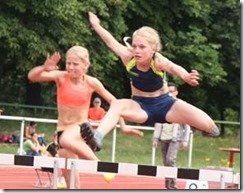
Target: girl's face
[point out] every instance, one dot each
(75, 66)
(142, 50)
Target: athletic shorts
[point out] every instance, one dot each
(59, 133)
(155, 107)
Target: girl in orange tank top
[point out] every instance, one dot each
(68, 96)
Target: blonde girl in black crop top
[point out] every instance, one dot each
(146, 85)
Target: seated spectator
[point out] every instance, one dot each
(31, 146)
(30, 129)
(1, 111)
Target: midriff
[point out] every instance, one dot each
(69, 116)
(136, 92)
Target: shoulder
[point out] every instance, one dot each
(61, 76)
(93, 82)
(127, 57)
(161, 62)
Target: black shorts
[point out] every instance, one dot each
(155, 107)
(59, 133)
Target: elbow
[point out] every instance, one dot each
(31, 77)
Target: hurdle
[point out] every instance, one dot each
(148, 170)
(35, 162)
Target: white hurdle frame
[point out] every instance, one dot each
(38, 162)
(119, 168)
(133, 169)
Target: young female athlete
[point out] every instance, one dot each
(74, 92)
(148, 104)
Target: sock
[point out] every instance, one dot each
(214, 133)
(61, 179)
(99, 135)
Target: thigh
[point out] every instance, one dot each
(66, 154)
(71, 140)
(133, 112)
(71, 132)
(183, 112)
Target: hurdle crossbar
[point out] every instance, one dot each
(36, 162)
(148, 170)
(119, 168)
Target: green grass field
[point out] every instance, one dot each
(139, 150)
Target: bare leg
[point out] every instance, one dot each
(66, 173)
(126, 108)
(183, 112)
(72, 141)
(74, 147)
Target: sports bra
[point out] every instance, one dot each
(70, 97)
(149, 81)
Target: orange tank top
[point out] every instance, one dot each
(73, 98)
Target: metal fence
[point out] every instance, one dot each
(114, 136)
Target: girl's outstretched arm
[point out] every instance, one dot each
(119, 49)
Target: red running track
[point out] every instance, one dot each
(22, 177)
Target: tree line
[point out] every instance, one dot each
(196, 34)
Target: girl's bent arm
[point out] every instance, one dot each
(162, 63)
(48, 71)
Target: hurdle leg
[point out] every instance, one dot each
(49, 178)
(39, 178)
(222, 181)
(72, 175)
(55, 174)
(238, 181)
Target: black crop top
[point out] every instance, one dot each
(149, 81)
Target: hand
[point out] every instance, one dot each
(134, 132)
(155, 144)
(192, 78)
(93, 19)
(51, 62)
(184, 145)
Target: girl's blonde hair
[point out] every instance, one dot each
(81, 52)
(151, 35)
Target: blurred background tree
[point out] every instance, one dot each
(201, 35)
